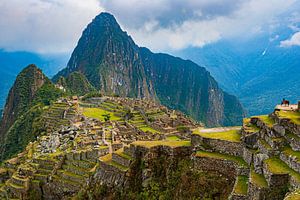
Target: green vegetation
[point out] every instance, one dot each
(258, 179)
(182, 129)
(251, 128)
(294, 195)
(172, 138)
(100, 114)
(147, 128)
(290, 152)
(77, 84)
(216, 155)
(91, 95)
(265, 144)
(173, 144)
(267, 120)
(277, 166)
(241, 186)
(121, 153)
(231, 135)
(292, 115)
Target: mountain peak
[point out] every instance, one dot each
(105, 19)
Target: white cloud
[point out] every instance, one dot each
(249, 18)
(44, 26)
(53, 26)
(293, 41)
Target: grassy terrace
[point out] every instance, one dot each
(294, 116)
(172, 144)
(147, 128)
(277, 166)
(294, 196)
(108, 159)
(251, 128)
(98, 113)
(267, 120)
(121, 153)
(258, 179)
(292, 135)
(172, 138)
(265, 144)
(289, 151)
(216, 155)
(230, 135)
(241, 186)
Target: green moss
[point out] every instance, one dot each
(230, 135)
(216, 155)
(150, 144)
(241, 186)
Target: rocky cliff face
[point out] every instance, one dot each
(21, 95)
(113, 63)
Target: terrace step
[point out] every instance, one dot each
(71, 176)
(16, 180)
(278, 173)
(74, 186)
(40, 177)
(121, 158)
(240, 188)
(76, 170)
(81, 163)
(107, 162)
(291, 158)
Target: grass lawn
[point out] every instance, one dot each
(150, 144)
(172, 138)
(277, 166)
(216, 155)
(242, 185)
(258, 179)
(293, 115)
(147, 128)
(231, 135)
(98, 113)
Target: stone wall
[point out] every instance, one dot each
(221, 146)
(291, 161)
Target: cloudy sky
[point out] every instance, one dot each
(54, 26)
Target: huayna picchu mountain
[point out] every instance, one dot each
(24, 106)
(114, 64)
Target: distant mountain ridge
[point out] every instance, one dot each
(114, 64)
(260, 75)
